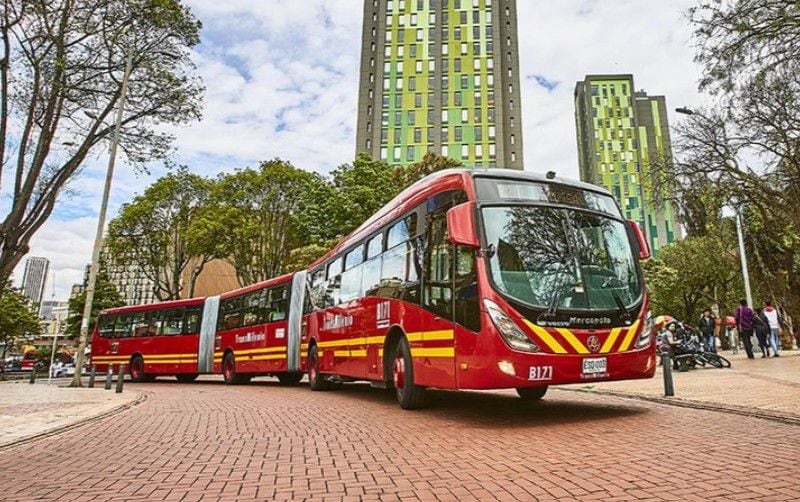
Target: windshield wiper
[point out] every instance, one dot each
(558, 294)
(624, 314)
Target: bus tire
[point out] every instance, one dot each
(532, 393)
(316, 380)
(409, 395)
(229, 371)
(290, 378)
(137, 369)
(186, 377)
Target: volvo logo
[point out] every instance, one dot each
(593, 343)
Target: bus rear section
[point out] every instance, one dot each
(258, 331)
(150, 340)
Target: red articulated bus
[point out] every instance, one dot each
(482, 279)
(252, 331)
(257, 333)
(151, 340)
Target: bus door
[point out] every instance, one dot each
(188, 340)
(433, 348)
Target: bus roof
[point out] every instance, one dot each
(440, 181)
(257, 286)
(189, 302)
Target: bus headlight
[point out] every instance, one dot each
(508, 329)
(646, 334)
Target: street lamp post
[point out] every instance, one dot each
(739, 233)
(101, 223)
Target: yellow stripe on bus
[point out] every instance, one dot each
(265, 350)
(267, 357)
(546, 337)
(570, 337)
(629, 337)
(612, 337)
(433, 352)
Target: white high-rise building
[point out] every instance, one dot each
(34, 279)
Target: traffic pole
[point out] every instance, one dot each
(33, 375)
(108, 376)
(120, 378)
(666, 364)
(92, 374)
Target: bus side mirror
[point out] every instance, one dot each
(461, 225)
(643, 245)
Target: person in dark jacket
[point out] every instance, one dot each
(761, 327)
(707, 324)
(744, 323)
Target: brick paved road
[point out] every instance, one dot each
(206, 441)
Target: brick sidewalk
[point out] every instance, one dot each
(208, 441)
(30, 410)
(768, 386)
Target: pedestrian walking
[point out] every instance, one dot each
(761, 328)
(733, 338)
(707, 324)
(744, 323)
(772, 317)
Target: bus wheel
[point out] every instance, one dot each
(409, 395)
(137, 370)
(532, 393)
(229, 371)
(290, 378)
(316, 380)
(186, 377)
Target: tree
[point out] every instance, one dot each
(17, 319)
(106, 296)
(693, 274)
(253, 217)
(60, 81)
(155, 233)
(741, 40)
(404, 176)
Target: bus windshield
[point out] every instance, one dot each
(561, 258)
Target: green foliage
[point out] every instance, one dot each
(694, 274)
(253, 216)
(106, 296)
(405, 176)
(61, 86)
(17, 319)
(155, 232)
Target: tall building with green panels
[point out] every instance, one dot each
(440, 76)
(620, 133)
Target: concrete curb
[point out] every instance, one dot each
(57, 430)
(784, 418)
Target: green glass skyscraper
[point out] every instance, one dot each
(440, 76)
(621, 134)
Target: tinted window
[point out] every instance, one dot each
(354, 257)
(375, 246)
(334, 268)
(371, 277)
(192, 319)
(172, 323)
(279, 301)
(106, 326)
(401, 231)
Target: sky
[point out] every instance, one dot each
(282, 81)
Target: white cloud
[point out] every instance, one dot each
(282, 81)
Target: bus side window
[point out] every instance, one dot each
(106, 326)
(173, 322)
(334, 281)
(315, 296)
(192, 320)
(122, 326)
(252, 309)
(467, 308)
(139, 325)
(438, 283)
(278, 301)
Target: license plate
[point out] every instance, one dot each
(595, 365)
